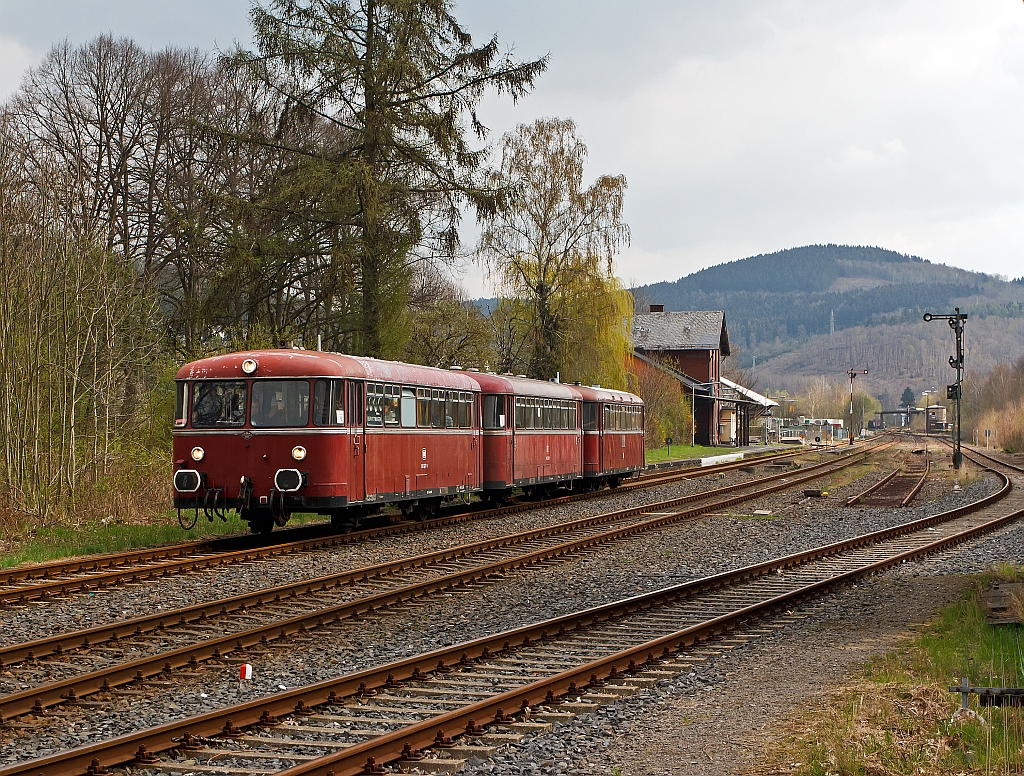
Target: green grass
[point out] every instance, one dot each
(37, 545)
(684, 451)
(897, 717)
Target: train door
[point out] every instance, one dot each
(357, 438)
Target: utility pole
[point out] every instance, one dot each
(853, 373)
(955, 391)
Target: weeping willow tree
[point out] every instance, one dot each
(550, 251)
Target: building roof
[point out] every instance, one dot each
(688, 330)
(748, 394)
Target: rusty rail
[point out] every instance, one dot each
(37, 698)
(388, 747)
(117, 568)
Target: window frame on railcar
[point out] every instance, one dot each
(427, 407)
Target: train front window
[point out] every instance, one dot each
(218, 403)
(279, 403)
(180, 403)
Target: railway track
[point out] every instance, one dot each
(491, 690)
(41, 581)
(899, 487)
(175, 639)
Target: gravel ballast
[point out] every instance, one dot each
(668, 556)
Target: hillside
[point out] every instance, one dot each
(780, 308)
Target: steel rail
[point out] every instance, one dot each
(59, 643)
(36, 699)
(351, 761)
(115, 568)
(881, 483)
(919, 484)
(979, 453)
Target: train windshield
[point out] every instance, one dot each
(180, 403)
(279, 403)
(218, 403)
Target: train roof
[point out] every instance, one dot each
(590, 393)
(313, 363)
(525, 386)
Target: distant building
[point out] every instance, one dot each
(690, 346)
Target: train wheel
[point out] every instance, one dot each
(427, 508)
(614, 482)
(346, 522)
(261, 522)
(498, 498)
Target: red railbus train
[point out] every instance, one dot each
(273, 432)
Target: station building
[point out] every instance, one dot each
(689, 346)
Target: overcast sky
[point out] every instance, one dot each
(742, 127)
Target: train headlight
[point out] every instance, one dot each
(298, 452)
(249, 366)
(198, 454)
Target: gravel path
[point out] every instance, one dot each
(671, 555)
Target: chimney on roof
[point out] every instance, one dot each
(657, 308)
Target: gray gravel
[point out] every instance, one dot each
(672, 555)
(77, 611)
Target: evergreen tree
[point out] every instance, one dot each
(908, 397)
(400, 81)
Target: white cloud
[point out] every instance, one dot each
(742, 127)
(15, 59)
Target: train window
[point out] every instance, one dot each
(328, 403)
(436, 408)
(408, 413)
(218, 403)
(279, 403)
(180, 404)
(392, 398)
(572, 415)
(451, 409)
(374, 404)
(590, 415)
(494, 412)
(527, 414)
(466, 410)
(520, 421)
(423, 407)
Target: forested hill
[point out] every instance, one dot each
(775, 301)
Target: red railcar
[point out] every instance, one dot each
(531, 434)
(279, 431)
(276, 431)
(613, 435)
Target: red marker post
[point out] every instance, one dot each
(244, 675)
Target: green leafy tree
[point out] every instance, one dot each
(551, 248)
(400, 81)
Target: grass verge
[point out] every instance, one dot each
(681, 452)
(45, 543)
(897, 717)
